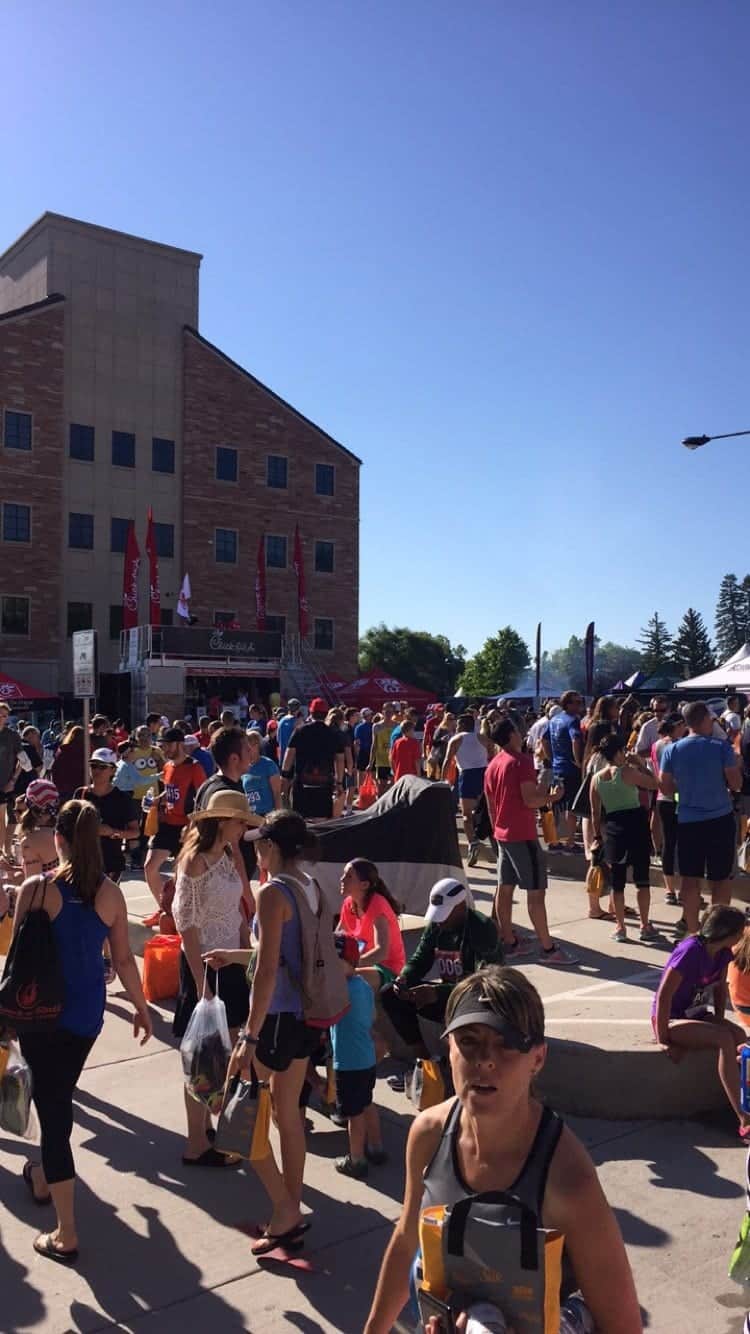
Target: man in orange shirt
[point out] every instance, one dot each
(406, 754)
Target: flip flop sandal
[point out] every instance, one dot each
(45, 1246)
(38, 1199)
(293, 1239)
(211, 1158)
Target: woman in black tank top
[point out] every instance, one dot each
(495, 1136)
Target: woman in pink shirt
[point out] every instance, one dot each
(370, 914)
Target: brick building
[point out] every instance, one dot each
(111, 400)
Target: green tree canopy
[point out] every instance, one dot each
(692, 647)
(498, 664)
(731, 616)
(414, 656)
(612, 662)
(656, 646)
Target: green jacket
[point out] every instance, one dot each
(476, 940)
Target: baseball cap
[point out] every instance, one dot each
(444, 896)
(294, 704)
(318, 705)
(476, 1008)
(191, 742)
(172, 734)
(104, 756)
(347, 949)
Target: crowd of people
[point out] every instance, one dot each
(224, 815)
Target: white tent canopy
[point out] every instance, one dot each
(734, 674)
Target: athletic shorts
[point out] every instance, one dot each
(285, 1038)
(707, 847)
(522, 864)
(570, 784)
(470, 783)
(313, 802)
(168, 839)
(383, 773)
(354, 1090)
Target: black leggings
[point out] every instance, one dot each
(668, 812)
(404, 1014)
(56, 1060)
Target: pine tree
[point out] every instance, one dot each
(692, 647)
(731, 617)
(656, 646)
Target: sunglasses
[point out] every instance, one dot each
(96, 764)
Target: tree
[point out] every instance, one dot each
(497, 666)
(656, 644)
(612, 662)
(731, 617)
(414, 656)
(691, 650)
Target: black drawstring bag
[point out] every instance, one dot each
(32, 990)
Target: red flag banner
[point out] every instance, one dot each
(130, 580)
(154, 594)
(299, 570)
(260, 586)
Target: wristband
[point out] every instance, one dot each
(245, 1037)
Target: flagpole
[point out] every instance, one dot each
(538, 698)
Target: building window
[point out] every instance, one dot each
(323, 634)
(167, 616)
(276, 625)
(223, 619)
(118, 534)
(123, 449)
(82, 442)
(164, 539)
(14, 616)
(276, 471)
(325, 481)
(17, 430)
(226, 464)
(81, 532)
(276, 552)
(115, 620)
(16, 523)
(80, 616)
(162, 455)
(225, 544)
(324, 557)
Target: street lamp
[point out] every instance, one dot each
(695, 441)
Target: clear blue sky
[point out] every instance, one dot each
(498, 248)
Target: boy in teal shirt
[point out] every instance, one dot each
(354, 1067)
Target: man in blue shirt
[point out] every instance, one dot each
(705, 773)
(563, 743)
(292, 718)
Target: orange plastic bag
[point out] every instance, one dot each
(151, 823)
(6, 933)
(451, 773)
(368, 792)
(549, 827)
(161, 967)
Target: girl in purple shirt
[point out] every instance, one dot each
(694, 978)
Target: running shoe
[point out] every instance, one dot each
(520, 949)
(649, 932)
(556, 956)
(377, 1157)
(397, 1083)
(671, 898)
(680, 929)
(352, 1167)
(152, 919)
(473, 856)
(620, 936)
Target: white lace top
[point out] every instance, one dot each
(211, 902)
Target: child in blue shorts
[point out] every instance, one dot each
(354, 1067)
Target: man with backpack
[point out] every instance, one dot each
(314, 765)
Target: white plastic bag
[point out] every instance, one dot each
(16, 1116)
(205, 1051)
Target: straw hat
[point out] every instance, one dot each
(225, 805)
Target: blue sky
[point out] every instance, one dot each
(500, 250)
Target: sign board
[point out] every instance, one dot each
(178, 641)
(84, 664)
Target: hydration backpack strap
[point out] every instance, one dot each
(459, 1216)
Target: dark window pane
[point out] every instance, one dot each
(118, 534)
(81, 532)
(276, 471)
(115, 620)
(225, 540)
(162, 455)
(164, 538)
(123, 449)
(324, 557)
(323, 633)
(16, 523)
(226, 464)
(276, 624)
(276, 552)
(79, 616)
(324, 479)
(224, 618)
(14, 618)
(167, 616)
(18, 430)
(81, 442)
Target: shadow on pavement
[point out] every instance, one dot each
(23, 1307)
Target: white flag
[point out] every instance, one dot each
(183, 601)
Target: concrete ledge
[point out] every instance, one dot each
(635, 1083)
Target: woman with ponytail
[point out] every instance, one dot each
(370, 913)
(85, 909)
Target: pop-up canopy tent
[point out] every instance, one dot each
(734, 674)
(12, 691)
(376, 687)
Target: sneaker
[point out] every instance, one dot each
(520, 949)
(680, 929)
(554, 847)
(671, 898)
(556, 955)
(152, 919)
(473, 856)
(620, 936)
(337, 1119)
(352, 1167)
(397, 1083)
(377, 1157)
(649, 932)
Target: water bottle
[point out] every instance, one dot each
(575, 1317)
(745, 1078)
(148, 800)
(484, 1318)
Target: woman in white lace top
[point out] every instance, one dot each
(209, 914)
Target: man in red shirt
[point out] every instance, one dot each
(180, 779)
(406, 753)
(513, 798)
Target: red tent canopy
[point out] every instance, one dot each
(16, 690)
(375, 688)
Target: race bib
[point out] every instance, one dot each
(447, 967)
